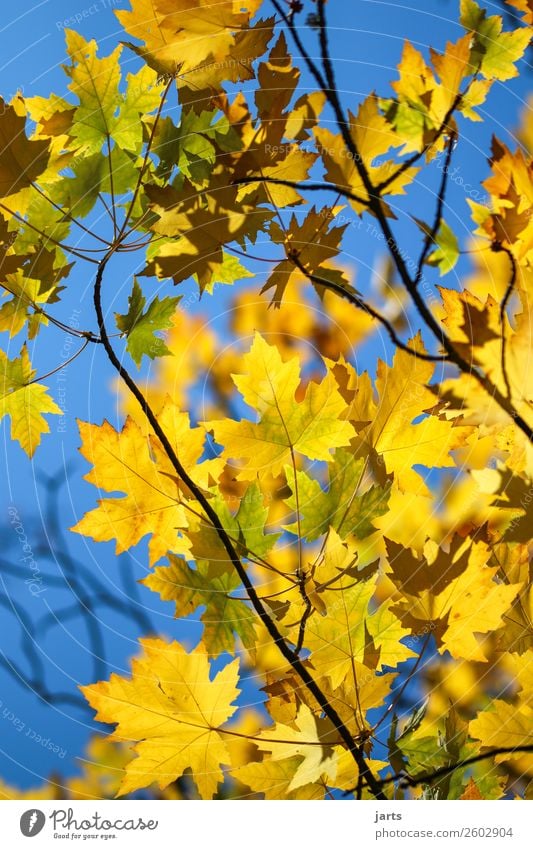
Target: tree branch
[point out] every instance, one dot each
(288, 653)
(358, 302)
(311, 187)
(431, 776)
(503, 307)
(431, 235)
(375, 206)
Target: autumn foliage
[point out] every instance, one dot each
(342, 538)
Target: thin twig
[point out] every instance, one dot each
(357, 301)
(431, 776)
(431, 235)
(311, 187)
(48, 238)
(69, 216)
(60, 366)
(121, 233)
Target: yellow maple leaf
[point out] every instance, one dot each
(452, 67)
(173, 711)
(308, 740)
(24, 401)
(21, 160)
(374, 137)
(393, 427)
(504, 725)
(273, 779)
(134, 463)
(508, 221)
(311, 426)
(477, 331)
(353, 627)
(524, 6)
(453, 592)
(313, 243)
(180, 35)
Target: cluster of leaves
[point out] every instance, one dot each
(295, 518)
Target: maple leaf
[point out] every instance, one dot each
(446, 252)
(27, 293)
(10, 261)
(392, 427)
(453, 591)
(508, 221)
(309, 741)
(24, 402)
(341, 506)
(133, 462)
(245, 528)
(374, 136)
(471, 791)
(310, 427)
(93, 175)
(200, 87)
(95, 82)
(140, 326)
(506, 725)
(476, 329)
(451, 67)
(314, 244)
(183, 35)
(274, 777)
(516, 568)
(427, 96)
(209, 585)
(495, 52)
(173, 711)
(524, 6)
(22, 160)
(351, 629)
(142, 96)
(204, 226)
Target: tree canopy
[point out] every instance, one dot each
(343, 535)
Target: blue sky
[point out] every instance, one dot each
(366, 38)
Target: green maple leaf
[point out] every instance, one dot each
(141, 326)
(209, 586)
(92, 177)
(248, 524)
(338, 507)
(142, 96)
(446, 252)
(494, 51)
(312, 426)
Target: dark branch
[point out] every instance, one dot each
(288, 653)
(375, 206)
(311, 187)
(431, 235)
(429, 777)
(503, 307)
(357, 301)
